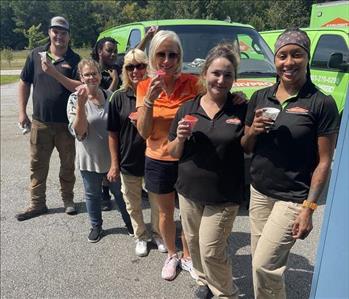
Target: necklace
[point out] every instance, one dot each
(98, 99)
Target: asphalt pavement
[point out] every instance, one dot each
(49, 256)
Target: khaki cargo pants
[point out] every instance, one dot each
(271, 223)
(44, 137)
(131, 188)
(206, 229)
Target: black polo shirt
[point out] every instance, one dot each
(211, 169)
(49, 96)
(131, 144)
(284, 159)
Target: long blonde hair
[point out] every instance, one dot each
(133, 55)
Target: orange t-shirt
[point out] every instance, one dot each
(164, 111)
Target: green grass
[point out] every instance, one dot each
(19, 58)
(8, 79)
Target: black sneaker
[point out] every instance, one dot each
(31, 213)
(203, 292)
(95, 234)
(130, 229)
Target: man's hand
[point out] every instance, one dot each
(113, 174)
(48, 67)
(303, 224)
(23, 119)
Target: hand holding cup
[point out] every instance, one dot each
(271, 114)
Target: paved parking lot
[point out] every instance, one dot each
(49, 256)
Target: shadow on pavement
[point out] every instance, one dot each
(298, 274)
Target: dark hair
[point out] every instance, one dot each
(99, 45)
(227, 50)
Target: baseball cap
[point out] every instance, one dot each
(59, 22)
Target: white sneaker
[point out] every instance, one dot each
(187, 265)
(141, 248)
(160, 244)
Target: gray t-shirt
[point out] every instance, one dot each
(92, 151)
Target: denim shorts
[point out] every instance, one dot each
(160, 176)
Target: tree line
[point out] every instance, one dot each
(24, 23)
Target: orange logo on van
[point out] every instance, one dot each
(251, 83)
(337, 22)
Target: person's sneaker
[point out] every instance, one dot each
(160, 244)
(70, 209)
(130, 229)
(31, 212)
(203, 292)
(169, 270)
(141, 248)
(95, 234)
(106, 205)
(187, 265)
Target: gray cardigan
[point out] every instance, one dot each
(92, 151)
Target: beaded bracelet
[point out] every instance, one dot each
(148, 104)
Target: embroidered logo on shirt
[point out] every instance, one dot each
(66, 66)
(297, 110)
(233, 121)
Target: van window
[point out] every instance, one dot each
(135, 38)
(327, 45)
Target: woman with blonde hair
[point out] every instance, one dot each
(158, 99)
(127, 148)
(210, 181)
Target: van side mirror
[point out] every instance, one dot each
(336, 62)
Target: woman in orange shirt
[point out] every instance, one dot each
(158, 99)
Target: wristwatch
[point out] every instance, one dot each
(310, 205)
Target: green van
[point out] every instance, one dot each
(329, 65)
(198, 37)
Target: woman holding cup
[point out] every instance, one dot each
(127, 148)
(158, 99)
(290, 160)
(205, 137)
(87, 112)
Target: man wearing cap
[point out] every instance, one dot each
(52, 70)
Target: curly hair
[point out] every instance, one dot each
(99, 46)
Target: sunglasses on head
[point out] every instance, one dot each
(170, 55)
(131, 67)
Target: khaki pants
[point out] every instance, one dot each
(44, 137)
(131, 188)
(206, 229)
(271, 241)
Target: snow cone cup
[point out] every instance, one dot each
(191, 120)
(272, 113)
(43, 56)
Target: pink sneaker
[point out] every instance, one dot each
(169, 270)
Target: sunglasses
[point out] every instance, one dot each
(131, 67)
(169, 55)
